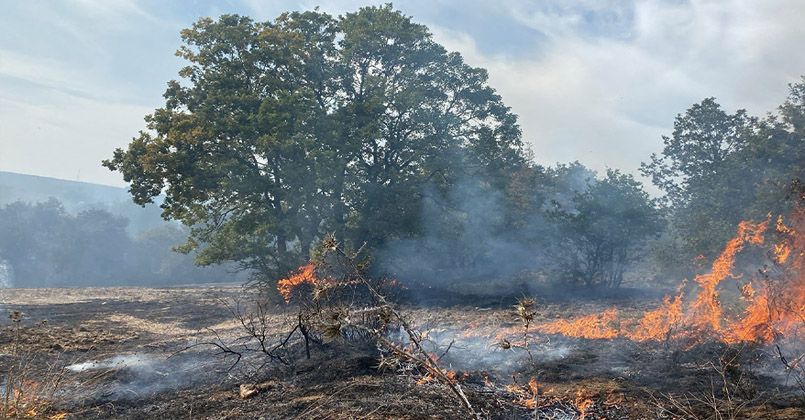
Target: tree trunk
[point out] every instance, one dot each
(282, 253)
(339, 207)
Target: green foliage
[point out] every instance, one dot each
(602, 229)
(718, 169)
(31, 240)
(703, 139)
(284, 130)
(559, 225)
(281, 132)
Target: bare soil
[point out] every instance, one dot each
(115, 352)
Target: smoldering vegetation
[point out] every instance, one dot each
(138, 376)
(555, 241)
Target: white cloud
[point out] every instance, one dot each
(607, 100)
(44, 71)
(597, 81)
(119, 10)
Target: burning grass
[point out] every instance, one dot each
(304, 275)
(774, 309)
(27, 392)
(342, 380)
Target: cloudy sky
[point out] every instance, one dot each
(592, 80)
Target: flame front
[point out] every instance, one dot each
(707, 308)
(775, 309)
(659, 324)
(527, 395)
(593, 326)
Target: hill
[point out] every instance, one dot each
(77, 196)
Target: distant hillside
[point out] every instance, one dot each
(77, 196)
(33, 188)
(56, 247)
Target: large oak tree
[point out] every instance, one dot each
(280, 131)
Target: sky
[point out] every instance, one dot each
(592, 80)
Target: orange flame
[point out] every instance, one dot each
(757, 323)
(783, 250)
(526, 395)
(706, 307)
(596, 326)
(775, 309)
(303, 275)
(658, 325)
(488, 382)
(778, 308)
(451, 376)
(24, 400)
(582, 404)
(425, 379)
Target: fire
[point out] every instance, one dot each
(582, 404)
(451, 376)
(658, 325)
(309, 274)
(783, 250)
(757, 324)
(487, 382)
(303, 275)
(778, 308)
(775, 308)
(707, 308)
(425, 379)
(527, 395)
(24, 400)
(594, 326)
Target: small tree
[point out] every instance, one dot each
(602, 228)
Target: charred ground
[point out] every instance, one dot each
(132, 334)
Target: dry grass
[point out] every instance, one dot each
(26, 390)
(30, 393)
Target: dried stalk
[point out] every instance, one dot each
(417, 356)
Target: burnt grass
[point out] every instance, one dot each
(608, 378)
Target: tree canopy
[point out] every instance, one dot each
(43, 245)
(280, 131)
(719, 168)
(603, 227)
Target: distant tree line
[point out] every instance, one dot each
(42, 245)
(361, 125)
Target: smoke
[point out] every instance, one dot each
(141, 375)
(463, 239)
(38, 248)
(474, 232)
(136, 362)
(474, 353)
(6, 275)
